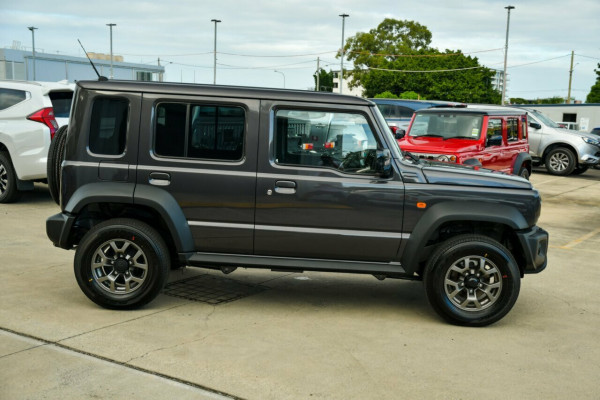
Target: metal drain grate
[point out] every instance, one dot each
(211, 289)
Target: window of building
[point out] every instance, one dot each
(10, 97)
(199, 131)
(342, 141)
(512, 129)
(108, 126)
(568, 117)
(143, 76)
(335, 85)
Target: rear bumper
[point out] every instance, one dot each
(58, 227)
(535, 245)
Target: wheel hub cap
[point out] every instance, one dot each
(119, 266)
(473, 283)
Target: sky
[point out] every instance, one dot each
(256, 38)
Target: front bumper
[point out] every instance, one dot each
(535, 245)
(589, 155)
(58, 228)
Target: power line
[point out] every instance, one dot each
(423, 55)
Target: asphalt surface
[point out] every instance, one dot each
(300, 336)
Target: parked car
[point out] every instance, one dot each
(159, 175)
(398, 113)
(30, 114)
(595, 131)
(491, 138)
(562, 151)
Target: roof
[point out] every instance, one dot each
(418, 103)
(496, 111)
(224, 91)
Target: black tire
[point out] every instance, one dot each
(475, 300)
(560, 161)
(580, 170)
(524, 173)
(132, 264)
(56, 155)
(8, 180)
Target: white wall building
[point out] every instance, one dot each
(357, 91)
(582, 117)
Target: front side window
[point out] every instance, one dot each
(342, 141)
(447, 126)
(108, 126)
(199, 131)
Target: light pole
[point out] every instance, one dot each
(504, 80)
(216, 21)
(111, 51)
(342, 62)
(282, 74)
(32, 29)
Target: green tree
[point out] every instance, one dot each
(386, 95)
(325, 81)
(594, 95)
(383, 56)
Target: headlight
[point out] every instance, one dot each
(591, 141)
(446, 158)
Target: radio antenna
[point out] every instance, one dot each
(100, 77)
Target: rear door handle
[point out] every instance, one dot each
(285, 187)
(159, 179)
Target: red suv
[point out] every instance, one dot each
(491, 138)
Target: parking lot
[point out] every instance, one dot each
(274, 335)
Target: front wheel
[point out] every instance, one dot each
(580, 170)
(122, 264)
(472, 280)
(560, 161)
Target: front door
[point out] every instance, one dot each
(317, 192)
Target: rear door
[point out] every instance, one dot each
(202, 152)
(317, 193)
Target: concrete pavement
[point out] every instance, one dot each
(311, 335)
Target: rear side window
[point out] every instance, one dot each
(10, 97)
(61, 103)
(200, 131)
(512, 129)
(108, 127)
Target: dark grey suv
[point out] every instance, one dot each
(156, 176)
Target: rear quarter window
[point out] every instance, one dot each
(11, 97)
(108, 126)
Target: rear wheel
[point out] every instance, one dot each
(56, 155)
(524, 173)
(472, 280)
(8, 180)
(122, 264)
(560, 161)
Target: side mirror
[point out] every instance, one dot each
(398, 133)
(383, 163)
(535, 125)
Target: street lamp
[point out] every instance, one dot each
(282, 74)
(342, 62)
(111, 50)
(506, 53)
(32, 29)
(216, 21)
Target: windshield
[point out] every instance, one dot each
(544, 119)
(447, 126)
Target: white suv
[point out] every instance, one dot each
(30, 114)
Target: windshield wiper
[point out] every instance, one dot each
(410, 156)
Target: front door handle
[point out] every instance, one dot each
(285, 187)
(159, 179)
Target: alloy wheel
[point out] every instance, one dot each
(473, 283)
(119, 266)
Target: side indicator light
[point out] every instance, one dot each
(421, 205)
